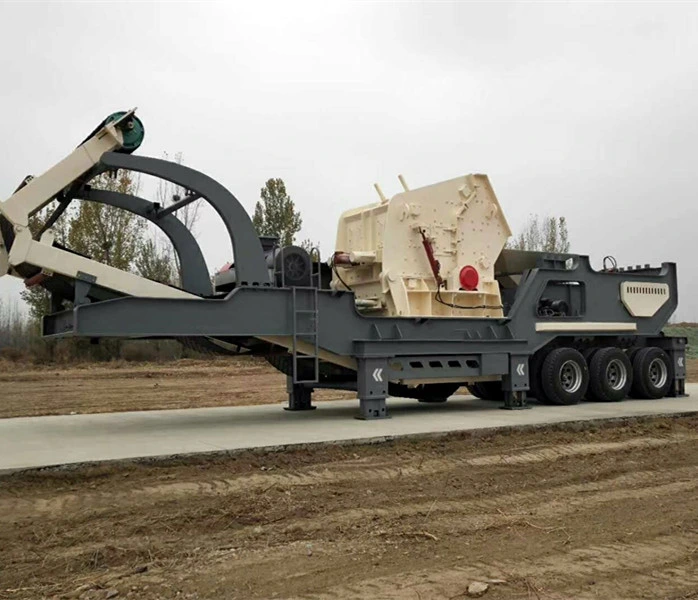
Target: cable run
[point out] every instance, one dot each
(450, 304)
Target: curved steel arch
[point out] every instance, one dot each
(250, 267)
(195, 278)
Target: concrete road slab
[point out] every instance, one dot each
(31, 442)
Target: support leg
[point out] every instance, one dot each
(372, 408)
(373, 388)
(677, 355)
(516, 383)
(678, 389)
(300, 397)
(676, 349)
(514, 400)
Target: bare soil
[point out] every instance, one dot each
(29, 390)
(598, 512)
(692, 369)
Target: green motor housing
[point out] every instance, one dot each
(131, 128)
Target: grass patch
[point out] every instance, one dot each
(687, 330)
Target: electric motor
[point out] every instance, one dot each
(292, 267)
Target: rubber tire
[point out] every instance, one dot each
(599, 390)
(534, 369)
(474, 390)
(429, 393)
(588, 354)
(489, 390)
(631, 352)
(550, 379)
(642, 386)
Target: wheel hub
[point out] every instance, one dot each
(616, 374)
(658, 372)
(570, 376)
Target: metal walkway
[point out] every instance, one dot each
(30, 442)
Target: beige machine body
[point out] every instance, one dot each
(381, 252)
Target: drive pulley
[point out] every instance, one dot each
(131, 128)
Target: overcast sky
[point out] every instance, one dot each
(584, 110)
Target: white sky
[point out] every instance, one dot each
(584, 110)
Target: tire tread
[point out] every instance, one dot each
(642, 388)
(598, 390)
(550, 379)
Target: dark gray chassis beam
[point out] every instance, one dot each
(259, 312)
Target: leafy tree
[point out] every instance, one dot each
(276, 213)
(543, 235)
(311, 247)
(108, 234)
(156, 263)
(14, 326)
(38, 301)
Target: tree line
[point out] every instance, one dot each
(542, 234)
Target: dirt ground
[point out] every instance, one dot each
(108, 387)
(599, 512)
(692, 369)
(29, 390)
